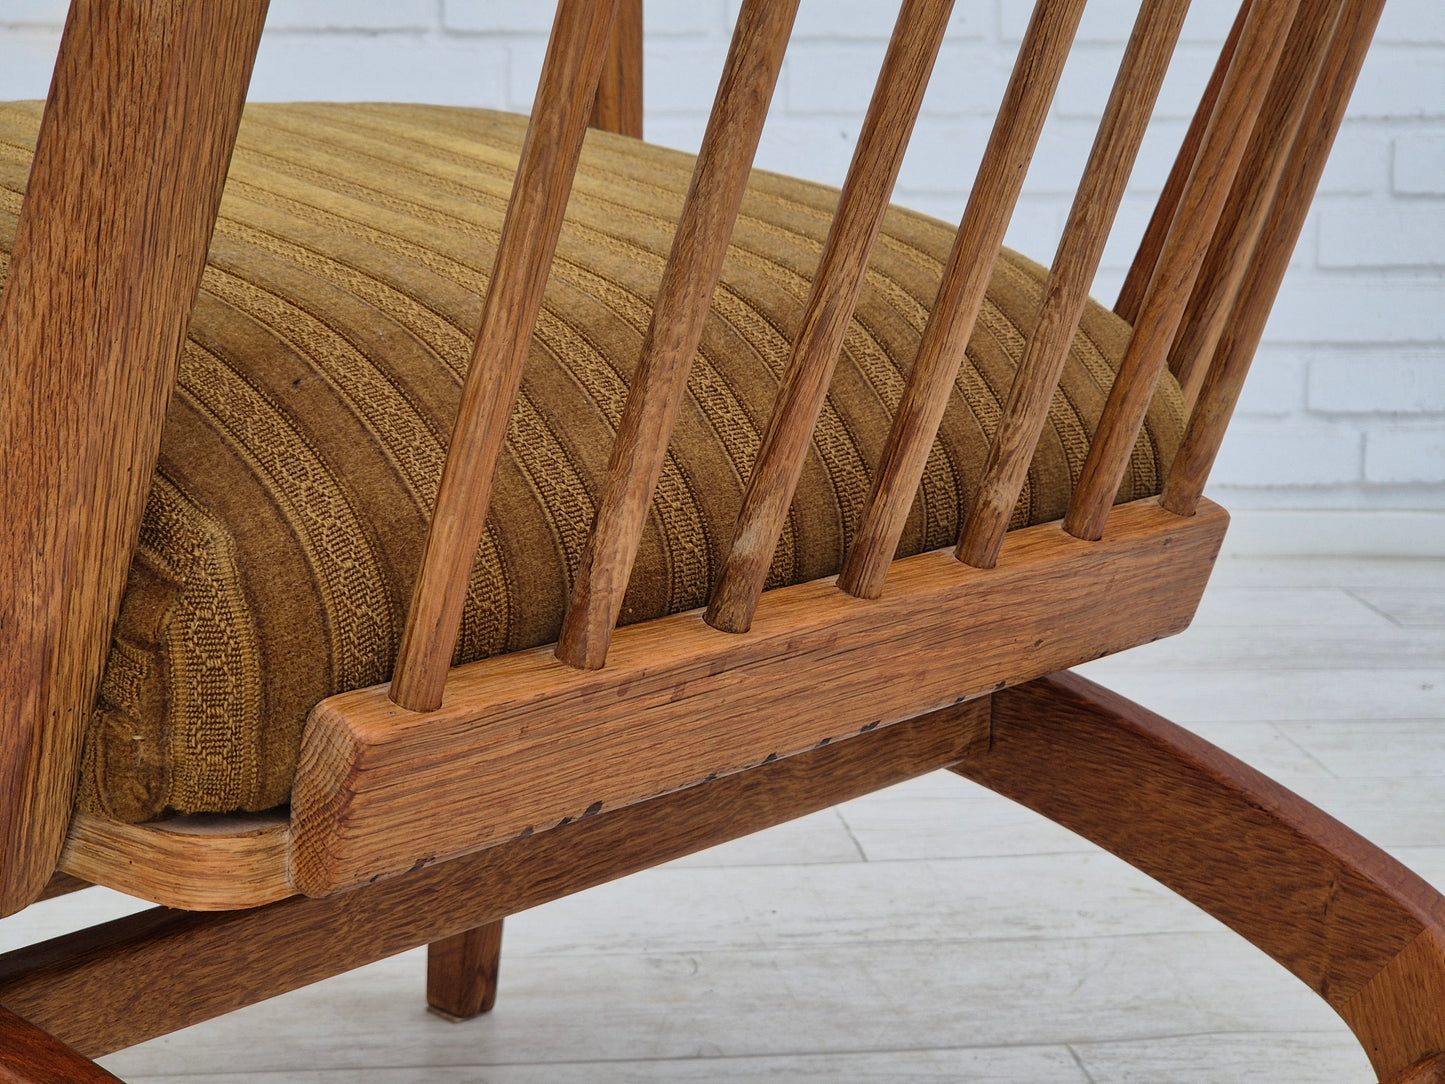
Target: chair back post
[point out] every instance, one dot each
(109, 249)
(1141, 270)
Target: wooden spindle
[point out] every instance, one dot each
(1125, 119)
(837, 283)
(550, 153)
(981, 231)
(619, 92)
(1252, 79)
(691, 275)
(1141, 271)
(1244, 216)
(1225, 377)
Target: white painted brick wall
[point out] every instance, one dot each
(1346, 407)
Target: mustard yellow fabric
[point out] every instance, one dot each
(317, 389)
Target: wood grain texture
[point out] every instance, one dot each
(1253, 195)
(1399, 1015)
(145, 975)
(619, 90)
(1224, 378)
(529, 236)
(1220, 154)
(461, 972)
(966, 278)
(1126, 117)
(1429, 1071)
(688, 281)
(1353, 924)
(1141, 270)
(522, 742)
(203, 862)
(897, 96)
(30, 1056)
(109, 249)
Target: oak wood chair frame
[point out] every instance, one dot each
(710, 722)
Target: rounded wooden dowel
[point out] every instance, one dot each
(1092, 216)
(688, 282)
(1031, 89)
(619, 91)
(565, 98)
(837, 283)
(1250, 80)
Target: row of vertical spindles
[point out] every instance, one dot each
(966, 277)
(1252, 199)
(1146, 59)
(1270, 26)
(1294, 191)
(688, 281)
(865, 199)
(1238, 187)
(1141, 270)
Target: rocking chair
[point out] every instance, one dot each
(338, 624)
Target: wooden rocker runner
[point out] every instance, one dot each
(338, 623)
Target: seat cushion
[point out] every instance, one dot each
(306, 437)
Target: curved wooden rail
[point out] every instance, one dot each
(1353, 924)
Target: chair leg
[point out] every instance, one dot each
(461, 972)
(1356, 926)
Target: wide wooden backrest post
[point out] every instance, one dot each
(897, 96)
(109, 249)
(658, 385)
(991, 203)
(566, 95)
(1306, 164)
(1121, 132)
(1250, 75)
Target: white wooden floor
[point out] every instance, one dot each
(931, 932)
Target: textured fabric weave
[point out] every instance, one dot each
(307, 434)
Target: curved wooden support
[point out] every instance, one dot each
(1356, 926)
(31, 1056)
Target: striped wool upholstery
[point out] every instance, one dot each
(306, 437)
